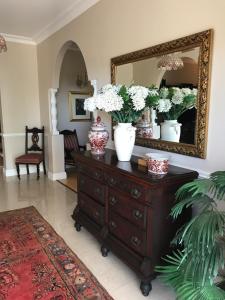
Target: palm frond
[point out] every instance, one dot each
(204, 203)
(172, 274)
(218, 179)
(204, 251)
(192, 272)
(196, 187)
(190, 291)
(201, 232)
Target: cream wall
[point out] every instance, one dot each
(111, 28)
(19, 98)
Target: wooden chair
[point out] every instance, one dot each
(34, 154)
(71, 144)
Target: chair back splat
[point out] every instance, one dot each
(71, 144)
(35, 153)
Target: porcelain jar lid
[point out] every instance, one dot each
(98, 125)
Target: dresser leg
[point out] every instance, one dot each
(104, 251)
(77, 226)
(146, 287)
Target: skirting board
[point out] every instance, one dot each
(57, 176)
(33, 169)
(23, 170)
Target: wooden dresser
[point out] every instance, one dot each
(127, 209)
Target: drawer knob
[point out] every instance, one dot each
(135, 241)
(135, 193)
(113, 224)
(113, 200)
(137, 214)
(112, 181)
(97, 214)
(97, 174)
(82, 181)
(97, 190)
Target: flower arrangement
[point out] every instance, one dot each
(174, 101)
(125, 104)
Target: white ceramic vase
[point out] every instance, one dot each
(170, 131)
(124, 138)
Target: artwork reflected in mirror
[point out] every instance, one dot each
(177, 73)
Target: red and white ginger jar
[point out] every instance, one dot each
(144, 130)
(98, 137)
(157, 163)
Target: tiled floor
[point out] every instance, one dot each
(56, 203)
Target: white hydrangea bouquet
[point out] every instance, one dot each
(124, 104)
(174, 101)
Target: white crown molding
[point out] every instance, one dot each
(19, 39)
(64, 18)
(60, 21)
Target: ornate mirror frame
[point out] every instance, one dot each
(204, 41)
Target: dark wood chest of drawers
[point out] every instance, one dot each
(127, 209)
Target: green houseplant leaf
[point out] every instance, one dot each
(192, 272)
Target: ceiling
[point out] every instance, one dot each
(35, 20)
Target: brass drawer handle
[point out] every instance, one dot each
(135, 241)
(113, 224)
(113, 200)
(82, 181)
(96, 214)
(112, 181)
(135, 193)
(97, 190)
(137, 214)
(97, 174)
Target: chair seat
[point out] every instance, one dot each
(30, 158)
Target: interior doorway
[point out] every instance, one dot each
(74, 87)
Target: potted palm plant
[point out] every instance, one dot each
(192, 271)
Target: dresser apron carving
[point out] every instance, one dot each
(127, 209)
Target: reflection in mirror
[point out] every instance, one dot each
(181, 68)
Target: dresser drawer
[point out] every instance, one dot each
(91, 187)
(95, 173)
(131, 188)
(129, 234)
(94, 210)
(131, 210)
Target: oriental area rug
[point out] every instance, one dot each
(36, 263)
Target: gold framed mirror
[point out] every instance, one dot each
(142, 68)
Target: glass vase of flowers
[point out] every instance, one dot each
(172, 103)
(125, 105)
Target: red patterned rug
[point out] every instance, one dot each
(36, 263)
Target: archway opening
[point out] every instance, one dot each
(73, 87)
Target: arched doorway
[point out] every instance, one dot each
(56, 149)
(74, 87)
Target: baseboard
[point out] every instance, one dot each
(57, 176)
(23, 171)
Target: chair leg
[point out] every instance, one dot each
(18, 170)
(28, 171)
(38, 171)
(44, 167)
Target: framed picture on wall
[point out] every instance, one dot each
(76, 107)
